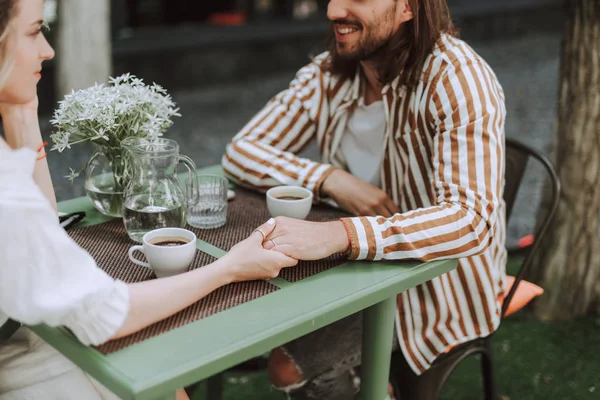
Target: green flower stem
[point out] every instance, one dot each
(119, 162)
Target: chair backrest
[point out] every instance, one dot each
(517, 157)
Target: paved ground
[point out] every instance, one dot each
(527, 68)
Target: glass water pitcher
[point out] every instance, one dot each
(155, 197)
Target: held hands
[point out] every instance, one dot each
(304, 240)
(358, 197)
(248, 260)
(288, 240)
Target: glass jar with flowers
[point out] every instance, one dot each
(104, 115)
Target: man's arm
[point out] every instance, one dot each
(262, 155)
(467, 106)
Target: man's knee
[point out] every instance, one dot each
(283, 372)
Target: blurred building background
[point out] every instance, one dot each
(222, 60)
(185, 43)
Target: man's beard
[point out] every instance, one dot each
(366, 49)
(371, 45)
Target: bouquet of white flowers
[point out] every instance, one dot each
(106, 114)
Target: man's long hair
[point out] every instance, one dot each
(405, 53)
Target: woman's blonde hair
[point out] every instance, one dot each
(7, 60)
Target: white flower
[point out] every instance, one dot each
(72, 174)
(61, 141)
(107, 114)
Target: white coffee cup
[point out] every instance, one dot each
(166, 257)
(289, 201)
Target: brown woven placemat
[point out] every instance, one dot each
(108, 243)
(247, 212)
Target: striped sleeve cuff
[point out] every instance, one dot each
(315, 177)
(364, 244)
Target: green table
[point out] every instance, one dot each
(156, 367)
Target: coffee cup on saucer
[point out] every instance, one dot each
(169, 251)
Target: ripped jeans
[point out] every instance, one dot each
(328, 360)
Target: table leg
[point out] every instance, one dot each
(378, 331)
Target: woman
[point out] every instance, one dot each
(44, 276)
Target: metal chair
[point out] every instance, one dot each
(427, 386)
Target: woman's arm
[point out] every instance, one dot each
(45, 277)
(60, 284)
(152, 301)
(22, 129)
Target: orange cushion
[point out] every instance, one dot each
(526, 291)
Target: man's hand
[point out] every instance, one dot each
(356, 196)
(304, 240)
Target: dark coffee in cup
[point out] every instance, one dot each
(169, 241)
(289, 197)
(168, 251)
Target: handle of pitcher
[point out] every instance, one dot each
(193, 195)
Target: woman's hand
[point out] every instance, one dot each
(8, 110)
(21, 125)
(248, 260)
(22, 130)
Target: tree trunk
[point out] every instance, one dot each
(84, 54)
(568, 263)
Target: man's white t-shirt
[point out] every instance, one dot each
(363, 142)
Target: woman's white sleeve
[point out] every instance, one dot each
(45, 277)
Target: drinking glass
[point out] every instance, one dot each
(211, 210)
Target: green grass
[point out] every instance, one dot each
(533, 360)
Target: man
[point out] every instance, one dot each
(409, 121)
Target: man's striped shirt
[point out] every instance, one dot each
(443, 166)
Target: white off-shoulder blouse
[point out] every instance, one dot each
(45, 277)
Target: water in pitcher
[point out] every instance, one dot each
(154, 197)
(141, 216)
